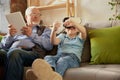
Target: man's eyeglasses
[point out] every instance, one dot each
(33, 14)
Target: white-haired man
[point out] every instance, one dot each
(23, 49)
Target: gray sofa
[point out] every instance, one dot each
(88, 71)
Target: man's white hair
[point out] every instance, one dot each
(29, 10)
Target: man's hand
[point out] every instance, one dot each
(12, 30)
(27, 30)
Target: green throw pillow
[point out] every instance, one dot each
(105, 45)
(0, 38)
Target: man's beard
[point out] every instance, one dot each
(36, 23)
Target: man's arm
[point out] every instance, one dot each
(8, 39)
(43, 40)
(6, 42)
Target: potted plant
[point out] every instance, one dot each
(115, 5)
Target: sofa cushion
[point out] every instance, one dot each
(94, 72)
(86, 55)
(105, 45)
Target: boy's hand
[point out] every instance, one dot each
(69, 22)
(56, 25)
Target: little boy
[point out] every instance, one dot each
(70, 45)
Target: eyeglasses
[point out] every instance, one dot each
(34, 14)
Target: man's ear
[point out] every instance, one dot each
(25, 17)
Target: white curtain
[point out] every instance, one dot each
(4, 9)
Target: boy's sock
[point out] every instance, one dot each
(43, 71)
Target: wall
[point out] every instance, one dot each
(95, 10)
(7, 6)
(49, 16)
(4, 9)
(18, 5)
(88, 10)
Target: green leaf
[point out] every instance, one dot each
(118, 17)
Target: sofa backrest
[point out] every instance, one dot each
(86, 54)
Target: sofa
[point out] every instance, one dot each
(99, 70)
(89, 68)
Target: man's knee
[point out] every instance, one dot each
(2, 59)
(14, 53)
(48, 57)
